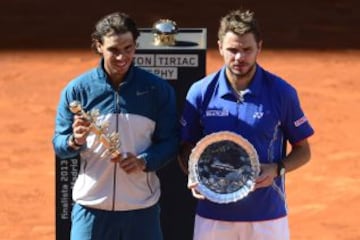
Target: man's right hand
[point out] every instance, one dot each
(81, 128)
(194, 191)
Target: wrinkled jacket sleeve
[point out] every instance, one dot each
(63, 126)
(166, 135)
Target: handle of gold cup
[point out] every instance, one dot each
(111, 142)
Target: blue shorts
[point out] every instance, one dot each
(94, 224)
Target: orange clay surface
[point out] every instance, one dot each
(323, 196)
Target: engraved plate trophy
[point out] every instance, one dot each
(224, 165)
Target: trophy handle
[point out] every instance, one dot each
(111, 142)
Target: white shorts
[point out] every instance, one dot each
(209, 229)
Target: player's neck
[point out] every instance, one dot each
(241, 82)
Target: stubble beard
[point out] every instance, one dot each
(242, 75)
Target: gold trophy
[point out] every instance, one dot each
(110, 141)
(164, 31)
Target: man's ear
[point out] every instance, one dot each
(99, 47)
(220, 48)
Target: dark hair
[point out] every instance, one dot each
(114, 23)
(239, 22)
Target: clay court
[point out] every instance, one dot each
(323, 196)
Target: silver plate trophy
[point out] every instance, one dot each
(224, 165)
(110, 141)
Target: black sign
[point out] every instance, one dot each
(66, 174)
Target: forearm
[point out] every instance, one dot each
(63, 130)
(160, 153)
(299, 155)
(62, 148)
(183, 156)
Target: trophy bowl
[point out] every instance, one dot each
(224, 165)
(164, 31)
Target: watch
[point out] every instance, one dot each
(280, 169)
(73, 142)
(143, 159)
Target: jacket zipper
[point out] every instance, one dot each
(148, 183)
(115, 164)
